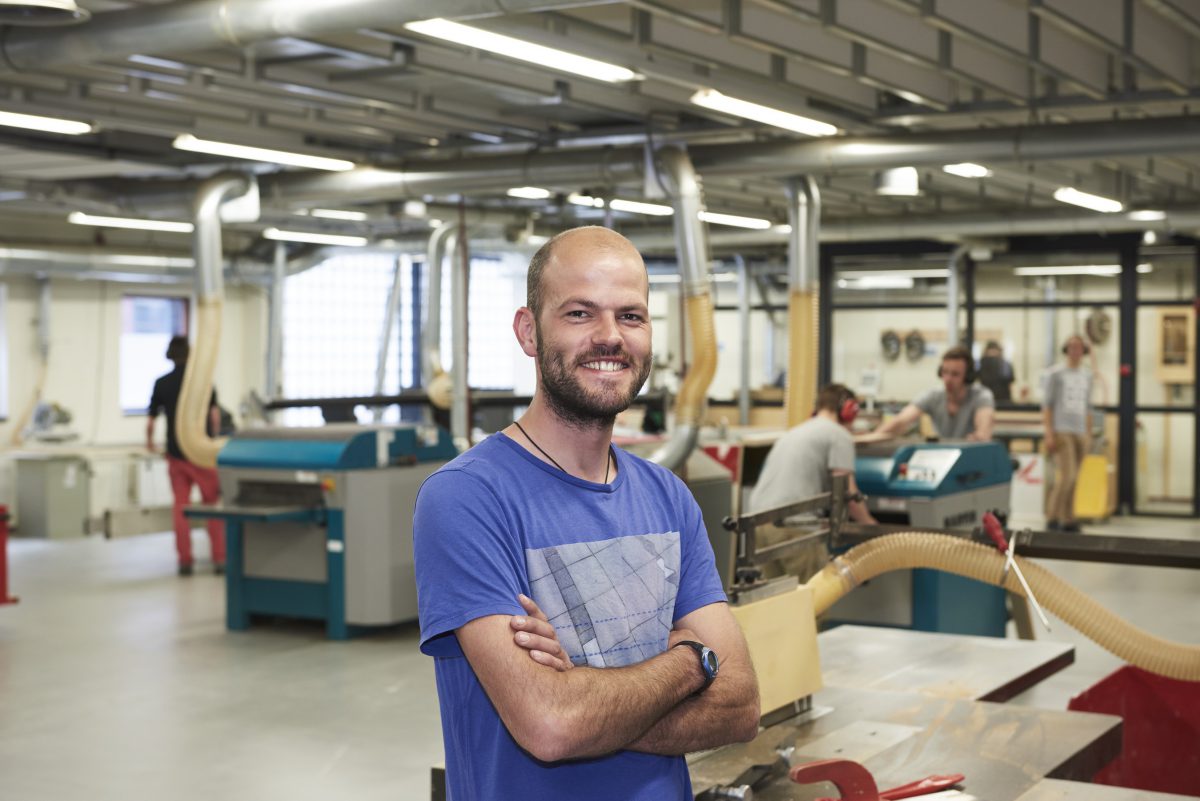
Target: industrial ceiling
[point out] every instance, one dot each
(1039, 95)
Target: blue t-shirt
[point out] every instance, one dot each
(612, 566)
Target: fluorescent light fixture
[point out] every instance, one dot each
(1144, 269)
(664, 278)
(735, 220)
(536, 240)
(586, 200)
(521, 50)
(1149, 238)
(876, 282)
(1073, 270)
(712, 99)
(638, 207)
(315, 239)
(929, 272)
(49, 124)
(1067, 194)
(191, 143)
(338, 214)
(1147, 215)
(529, 192)
(898, 182)
(967, 169)
(80, 218)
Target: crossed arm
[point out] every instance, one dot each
(555, 711)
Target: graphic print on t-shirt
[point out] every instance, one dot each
(612, 601)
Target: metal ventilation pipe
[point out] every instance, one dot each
(194, 396)
(803, 257)
(460, 421)
(682, 185)
(437, 382)
(208, 24)
(953, 265)
(385, 337)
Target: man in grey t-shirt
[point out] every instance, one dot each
(960, 409)
(1066, 415)
(803, 461)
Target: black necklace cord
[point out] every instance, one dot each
(607, 462)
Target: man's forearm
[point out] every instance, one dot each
(598, 711)
(716, 717)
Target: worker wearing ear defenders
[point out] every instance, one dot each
(960, 408)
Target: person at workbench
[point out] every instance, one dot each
(1066, 416)
(184, 474)
(960, 409)
(802, 463)
(567, 589)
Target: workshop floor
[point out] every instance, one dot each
(119, 681)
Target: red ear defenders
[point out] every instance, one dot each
(971, 375)
(848, 411)
(1087, 349)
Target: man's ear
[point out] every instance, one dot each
(525, 327)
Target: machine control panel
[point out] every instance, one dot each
(928, 465)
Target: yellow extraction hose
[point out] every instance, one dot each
(912, 549)
(191, 416)
(802, 356)
(689, 404)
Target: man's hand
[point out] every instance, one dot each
(535, 634)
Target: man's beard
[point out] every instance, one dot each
(578, 406)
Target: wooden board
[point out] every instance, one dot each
(781, 633)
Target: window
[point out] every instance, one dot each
(147, 325)
(332, 321)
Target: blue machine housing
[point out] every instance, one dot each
(977, 465)
(938, 485)
(319, 522)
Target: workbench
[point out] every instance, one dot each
(1058, 790)
(909, 704)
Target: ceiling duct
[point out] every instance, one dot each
(173, 28)
(41, 12)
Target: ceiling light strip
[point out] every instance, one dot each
(314, 238)
(714, 100)
(193, 144)
(82, 218)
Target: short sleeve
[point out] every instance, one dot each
(699, 582)
(926, 401)
(1051, 394)
(841, 451)
(984, 399)
(156, 400)
(469, 560)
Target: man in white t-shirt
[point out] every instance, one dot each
(1066, 415)
(803, 461)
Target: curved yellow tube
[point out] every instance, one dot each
(689, 404)
(973, 560)
(802, 356)
(191, 415)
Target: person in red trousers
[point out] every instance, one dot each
(183, 473)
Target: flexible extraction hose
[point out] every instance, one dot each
(679, 179)
(801, 394)
(191, 414)
(804, 214)
(962, 557)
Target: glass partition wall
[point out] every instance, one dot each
(885, 324)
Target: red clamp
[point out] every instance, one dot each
(855, 783)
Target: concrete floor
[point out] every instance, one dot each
(118, 680)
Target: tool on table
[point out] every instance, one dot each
(991, 525)
(855, 783)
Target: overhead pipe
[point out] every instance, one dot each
(274, 388)
(804, 212)
(953, 265)
(189, 27)
(744, 334)
(385, 337)
(681, 184)
(460, 272)
(943, 227)
(43, 346)
(438, 383)
(192, 412)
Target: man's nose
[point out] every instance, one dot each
(607, 332)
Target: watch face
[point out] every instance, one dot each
(708, 658)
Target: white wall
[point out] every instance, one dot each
(85, 329)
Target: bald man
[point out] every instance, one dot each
(567, 589)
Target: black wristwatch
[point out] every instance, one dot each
(708, 661)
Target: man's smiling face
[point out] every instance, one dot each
(593, 335)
